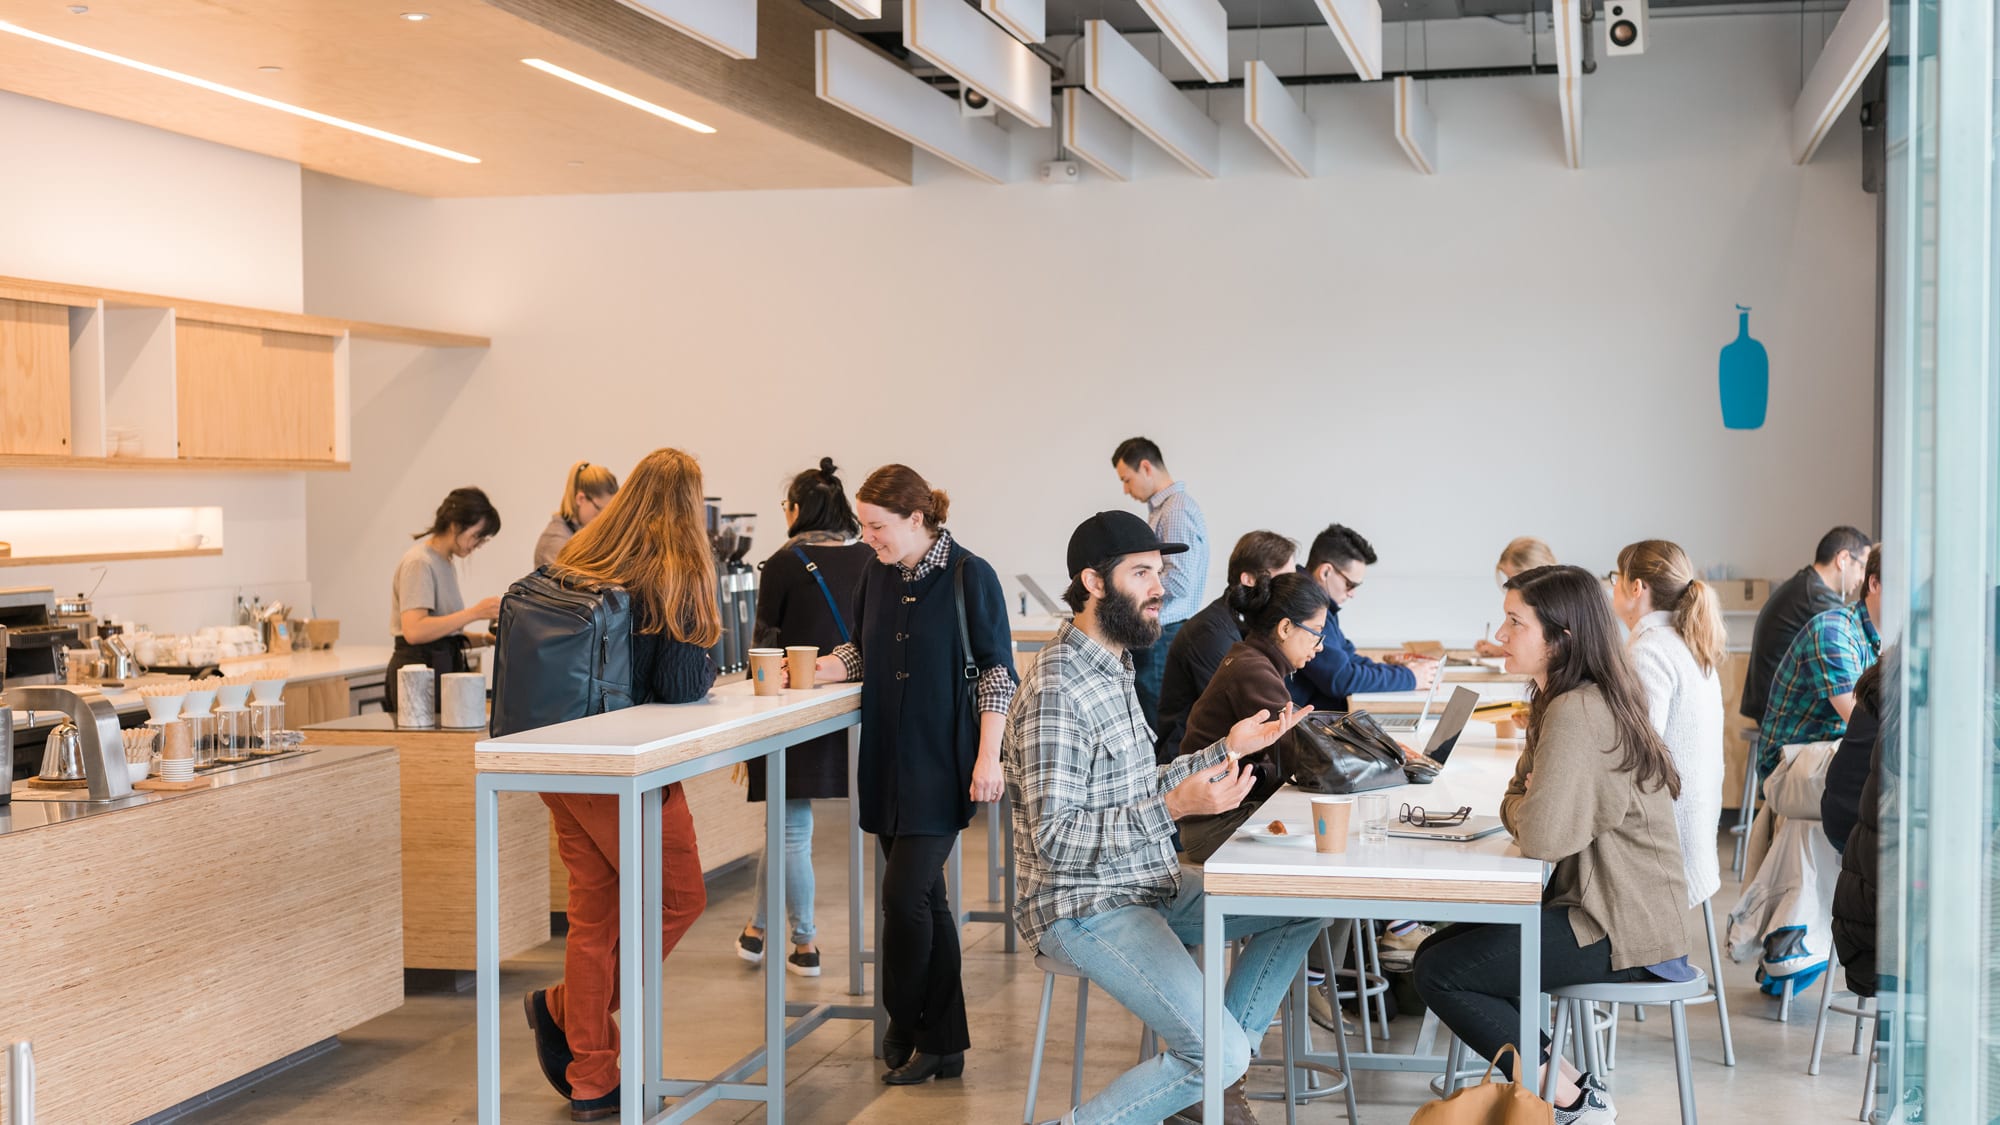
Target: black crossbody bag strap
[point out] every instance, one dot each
(971, 669)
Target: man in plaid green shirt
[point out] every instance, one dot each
(1813, 691)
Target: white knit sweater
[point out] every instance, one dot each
(1685, 705)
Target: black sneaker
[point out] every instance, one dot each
(594, 1109)
(551, 1045)
(803, 962)
(750, 947)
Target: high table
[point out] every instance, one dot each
(1486, 880)
(635, 754)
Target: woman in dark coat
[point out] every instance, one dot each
(934, 695)
(806, 597)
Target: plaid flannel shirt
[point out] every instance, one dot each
(995, 690)
(1825, 660)
(1090, 814)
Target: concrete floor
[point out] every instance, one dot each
(416, 1064)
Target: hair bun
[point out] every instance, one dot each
(940, 505)
(826, 468)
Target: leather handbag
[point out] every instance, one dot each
(1489, 1103)
(1340, 752)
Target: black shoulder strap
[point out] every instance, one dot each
(971, 669)
(812, 568)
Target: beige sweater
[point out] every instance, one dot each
(1616, 851)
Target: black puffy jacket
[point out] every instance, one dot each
(1854, 895)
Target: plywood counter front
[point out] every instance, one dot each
(173, 943)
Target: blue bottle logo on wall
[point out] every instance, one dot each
(1744, 375)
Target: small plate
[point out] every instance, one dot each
(1261, 830)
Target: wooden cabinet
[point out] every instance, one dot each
(254, 393)
(34, 378)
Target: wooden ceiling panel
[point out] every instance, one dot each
(455, 80)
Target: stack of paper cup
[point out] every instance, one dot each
(176, 751)
(416, 696)
(462, 700)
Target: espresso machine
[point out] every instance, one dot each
(735, 586)
(35, 641)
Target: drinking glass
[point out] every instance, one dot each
(1374, 812)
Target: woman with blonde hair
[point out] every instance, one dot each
(1521, 554)
(651, 540)
(1676, 647)
(587, 491)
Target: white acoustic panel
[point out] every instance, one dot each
(1276, 119)
(973, 49)
(1199, 29)
(729, 26)
(855, 78)
(861, 9)
(1127, 84)
(1095, 135)
(1567, 21)
(1357, 27)
(1026, 20)
(1416, 129)
(1849, 54)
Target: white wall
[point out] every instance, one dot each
(93, 200)
(1443, 363)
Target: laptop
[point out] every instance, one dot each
(1474, 828)
(1050, 605)
(1451, 724)
(1404, 724)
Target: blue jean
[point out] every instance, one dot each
(1149, 671)
(798, 874)
(1138, 955)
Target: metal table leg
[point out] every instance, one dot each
(486, 862)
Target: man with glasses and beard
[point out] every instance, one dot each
(1100, 886)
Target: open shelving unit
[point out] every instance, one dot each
(187, 384)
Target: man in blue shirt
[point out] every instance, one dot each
(1174, 518)
(1338, 561)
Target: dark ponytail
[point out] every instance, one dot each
(464, 509)
(821, 503)
(1290, 596)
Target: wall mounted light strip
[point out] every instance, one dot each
(852, 76)
(973, 49)
(729, 26)
(1357, 27)
(1127, 84)
(1416, 129)
(1199, 29)
(1276, 119)
(1026, 20)
(1567, 21)
(1095, 135)
(861, 9)
(1858, 40)
(615, 94)
(239, 95)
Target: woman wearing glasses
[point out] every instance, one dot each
(587, 491)
(1593, 794)
(427, 614)
(1284, 619)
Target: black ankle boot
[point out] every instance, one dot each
(922, 1068)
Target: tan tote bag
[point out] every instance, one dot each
(1489, 1103)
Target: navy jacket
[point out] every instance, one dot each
(1338, 672)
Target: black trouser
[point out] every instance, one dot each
(917, 967)
(1470, 975)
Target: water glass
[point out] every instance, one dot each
(1374, 810)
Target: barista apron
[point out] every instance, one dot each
(446, 654)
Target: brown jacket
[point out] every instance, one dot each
(1251, 677)
(1616, 852)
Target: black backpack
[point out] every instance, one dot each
(562, 650)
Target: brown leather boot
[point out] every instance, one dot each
(1235, 1109)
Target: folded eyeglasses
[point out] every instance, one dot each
(1417, 816)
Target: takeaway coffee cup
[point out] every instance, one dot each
(764, 670)
(799, 660)
(1330, 818)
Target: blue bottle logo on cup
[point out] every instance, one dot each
(1743, 375)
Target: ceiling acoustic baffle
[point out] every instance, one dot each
(974, 50)
(1095, 135)
(1276, 119)
(1416, 129)
(854, 77)
(1026, 20)
(1858, 40)
(1119, 76)
(1199, 29)
(729, 26)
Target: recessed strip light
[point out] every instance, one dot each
(239, 95)
(616, 94)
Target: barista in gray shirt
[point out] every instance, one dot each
(586, 492)
(427, 613)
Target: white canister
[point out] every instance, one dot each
(461, 700)
(416, 696)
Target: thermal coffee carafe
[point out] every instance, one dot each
(735, 586)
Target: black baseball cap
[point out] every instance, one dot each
(1111, 534)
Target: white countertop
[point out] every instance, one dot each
(1495, 691)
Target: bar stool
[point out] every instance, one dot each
(1858, 1007)
(1366, 983)
(1715, 996)
(1570, 1001)
(1297, 1032)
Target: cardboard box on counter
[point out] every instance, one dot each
(1742, 595)
(318, 632)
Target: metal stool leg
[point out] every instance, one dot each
(1593, 1048)
(1745, 808)
(1611, 1047)
(1375, 967)
(1862, 1003)
(1346, 1069)
(1454, 1061)
(1082, 1017)
(1291, 1012)
(1819, 1025)
(1868, 1082)
(1360, 992)
(1041, 1041)
(1715, 983)
(1683, 1071)
(1785, 1002)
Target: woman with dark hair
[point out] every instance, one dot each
(937, 676)
(1593, 793)
(806, 597)
(427, 614)
(1283, 619)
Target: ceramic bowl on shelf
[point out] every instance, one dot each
(139, 770)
